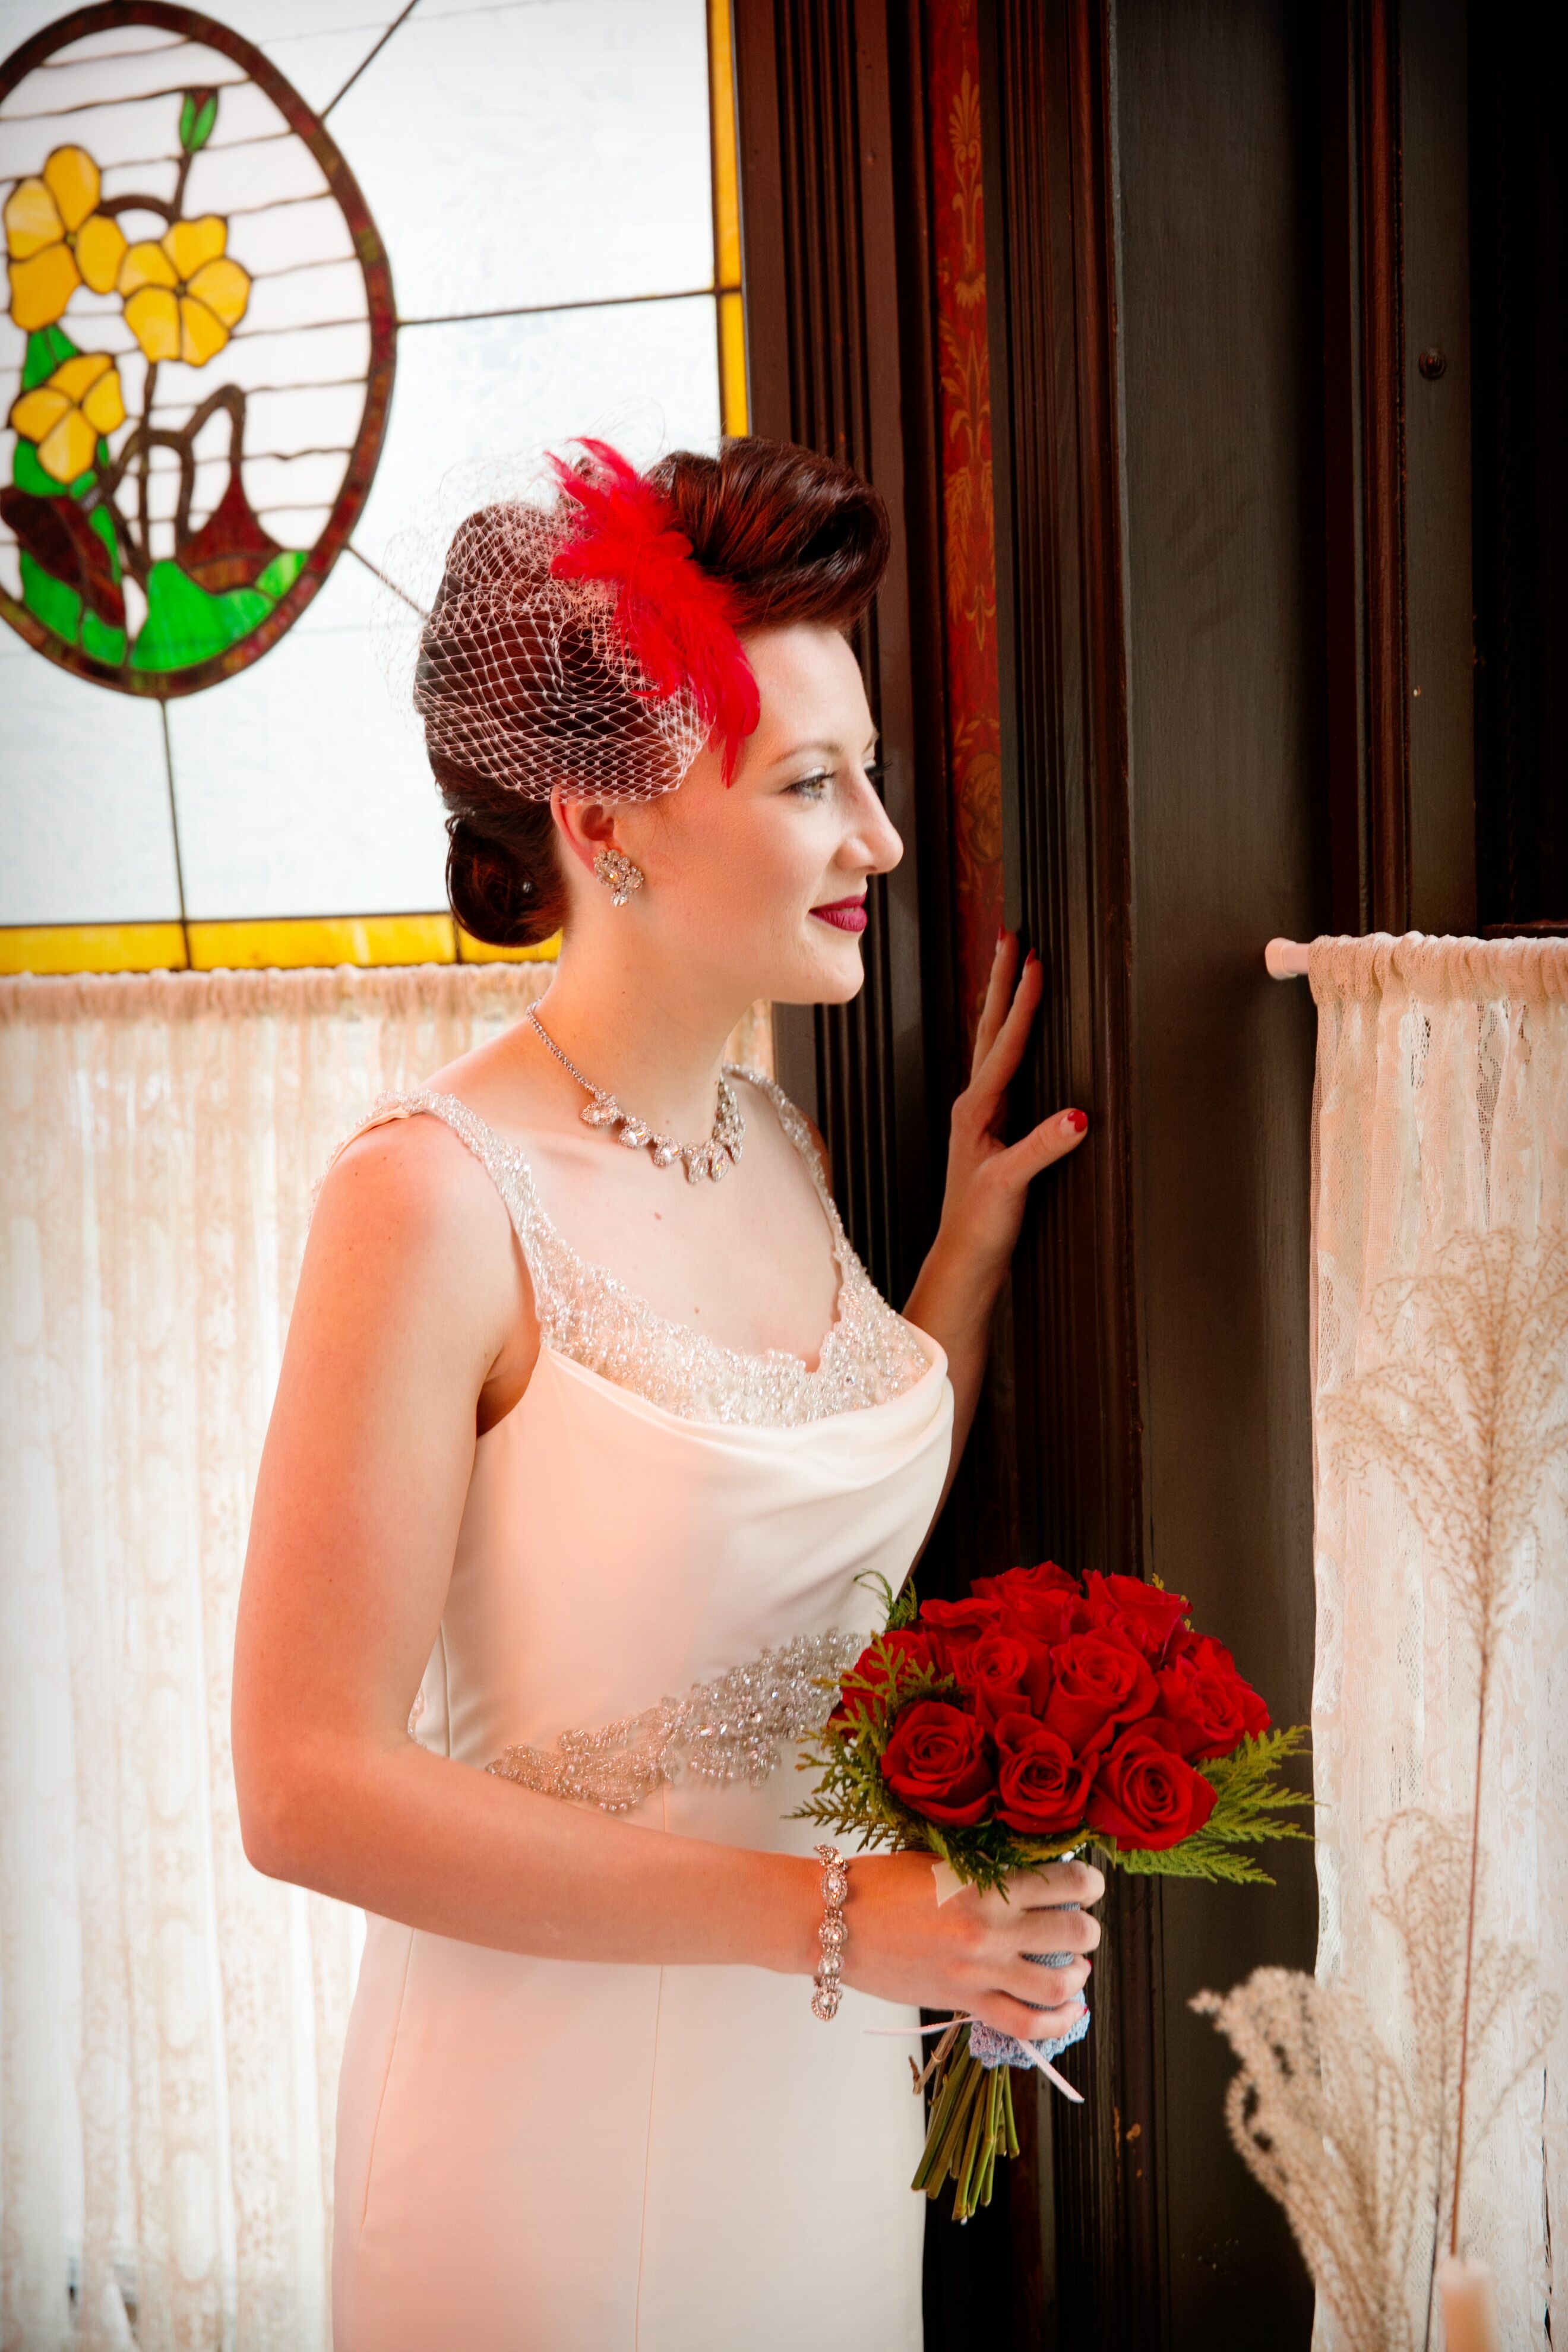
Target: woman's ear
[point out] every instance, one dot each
(585, 827)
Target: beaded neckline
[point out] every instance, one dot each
(868, 1355)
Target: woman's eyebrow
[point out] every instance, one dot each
(820, 751)
(806, 751)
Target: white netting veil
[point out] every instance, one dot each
(512, 674)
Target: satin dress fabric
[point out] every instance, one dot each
(546, 2156)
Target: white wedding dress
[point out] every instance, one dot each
(542, 2155)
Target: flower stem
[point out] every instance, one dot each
(962, 2203)
(949, 2084)
(1007, 2110)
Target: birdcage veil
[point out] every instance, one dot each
(550, 627)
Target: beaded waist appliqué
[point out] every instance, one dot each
(729, 1730)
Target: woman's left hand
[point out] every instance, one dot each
(988, 1183)
(988, 1179)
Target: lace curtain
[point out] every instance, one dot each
(1440, 1253)
(170, 2021)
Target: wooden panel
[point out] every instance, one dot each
(1046, 79)
(1396, 485)
(1518, 265)
(968, 515)
(1363, 479)
(1218, 141)
(1440, 596)
(1374, 31)
(820, 156)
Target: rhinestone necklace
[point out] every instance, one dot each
(712, 1159)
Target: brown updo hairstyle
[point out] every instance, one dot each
(796, 536)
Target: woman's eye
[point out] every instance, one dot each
(812, 788)
(875, 771)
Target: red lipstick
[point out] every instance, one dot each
(843, 914)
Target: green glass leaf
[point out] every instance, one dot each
(244, 609)
(46, 348)
(29, 475)
(185, 626)
(281, 573)
(50, 601)
(98, 521)
(102, 643)
(198, 112)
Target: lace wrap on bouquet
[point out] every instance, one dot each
(732, 1728)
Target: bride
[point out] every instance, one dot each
(566, 1429)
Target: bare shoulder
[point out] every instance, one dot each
(412, 1169)
(407, 1209)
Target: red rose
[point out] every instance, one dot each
(938, 1762)
(1040, 1786)
(1098, 1680)
(1205, 1700)
(1146, 1614)
(953, 1625)
(1146, 1795)
(997, 1661)
(873, 1667)
(1044, 1601)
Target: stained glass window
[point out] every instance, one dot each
(271, 275)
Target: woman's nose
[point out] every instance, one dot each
(882, 841)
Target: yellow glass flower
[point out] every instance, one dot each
(68, 415)
(57, 239)
(183, 296)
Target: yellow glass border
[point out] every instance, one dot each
(734, 405)
(287, 943)
(50, 949)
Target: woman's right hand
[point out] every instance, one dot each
(969, 1953)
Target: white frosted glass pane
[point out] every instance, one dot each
(20, 19)
(282, 23)
(300, 791)
(645, 377)
(317, 43)
(85, 836)
(125, 88)
(538, 154)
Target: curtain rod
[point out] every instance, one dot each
(1286, 960)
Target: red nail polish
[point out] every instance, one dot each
(1078, 1120)
(1001, 933)
(1031, 958)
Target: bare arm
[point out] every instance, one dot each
(413, 1322)
(987, 1186)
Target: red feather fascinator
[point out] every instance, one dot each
(676, 622)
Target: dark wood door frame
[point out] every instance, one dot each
(1051, 262)
(839, 339)
(838, 278)
(1364, 522)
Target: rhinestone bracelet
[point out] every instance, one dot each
(832, 1934)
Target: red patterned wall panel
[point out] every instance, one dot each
(969, 552)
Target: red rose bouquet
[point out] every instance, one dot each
(1043, 1715)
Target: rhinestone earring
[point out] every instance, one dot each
(618, 875)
